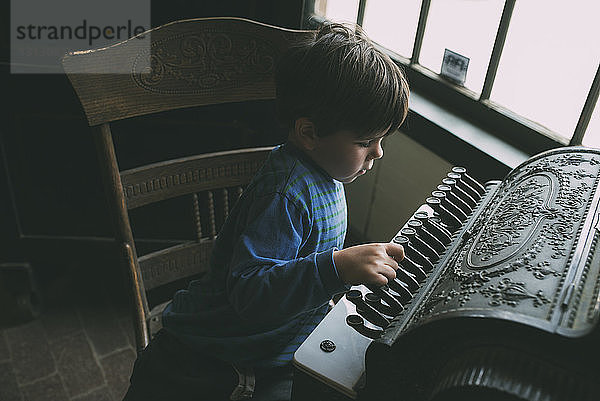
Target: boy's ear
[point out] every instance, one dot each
(305, 133)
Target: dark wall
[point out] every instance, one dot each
(282, 13)
(9, 231)
(49, 164)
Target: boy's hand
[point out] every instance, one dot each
(369, 263)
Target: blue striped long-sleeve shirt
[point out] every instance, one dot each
(272, 271)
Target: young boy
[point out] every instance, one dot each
(278, 259)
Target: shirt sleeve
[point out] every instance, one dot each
(268, 280)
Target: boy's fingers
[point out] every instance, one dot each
(388, 272)
(380, 280)
(392, 263)
(396, 251)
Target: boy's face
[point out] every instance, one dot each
(345, 156)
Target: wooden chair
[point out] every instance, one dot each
(182, 64)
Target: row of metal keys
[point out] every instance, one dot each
(424, 237)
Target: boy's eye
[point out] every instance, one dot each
(365, 144)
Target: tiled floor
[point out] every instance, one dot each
(81, 348)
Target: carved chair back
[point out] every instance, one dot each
(178, 65)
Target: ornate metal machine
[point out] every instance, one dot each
(498, 296)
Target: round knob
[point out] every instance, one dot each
(437, 230)
(413, 253)
(409, 232)
(353, 295)
(460, 183)
(447, 217)
(469, 180)
(427, 236)
(452, 197)
(400, 239)
(358, 323)
(452, 208)
(374, 300)
(355, 320)
(419, 244)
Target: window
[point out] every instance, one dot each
(548, 62)
(392, 24)
(450, 25)
(533, 63)
(337, 10)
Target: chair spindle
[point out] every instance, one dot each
(225, 203)
(197, 218)
(211, 215)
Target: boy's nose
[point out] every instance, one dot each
(377, 152)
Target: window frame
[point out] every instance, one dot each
(523, 133)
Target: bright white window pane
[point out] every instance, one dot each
(345, 11)
(592, 133)
(392, 23)
(466, 27)
(549, 60)
(320, 6)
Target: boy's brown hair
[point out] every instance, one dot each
(340, 81)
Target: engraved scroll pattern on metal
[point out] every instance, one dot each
(518, 253)
(196, 62)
